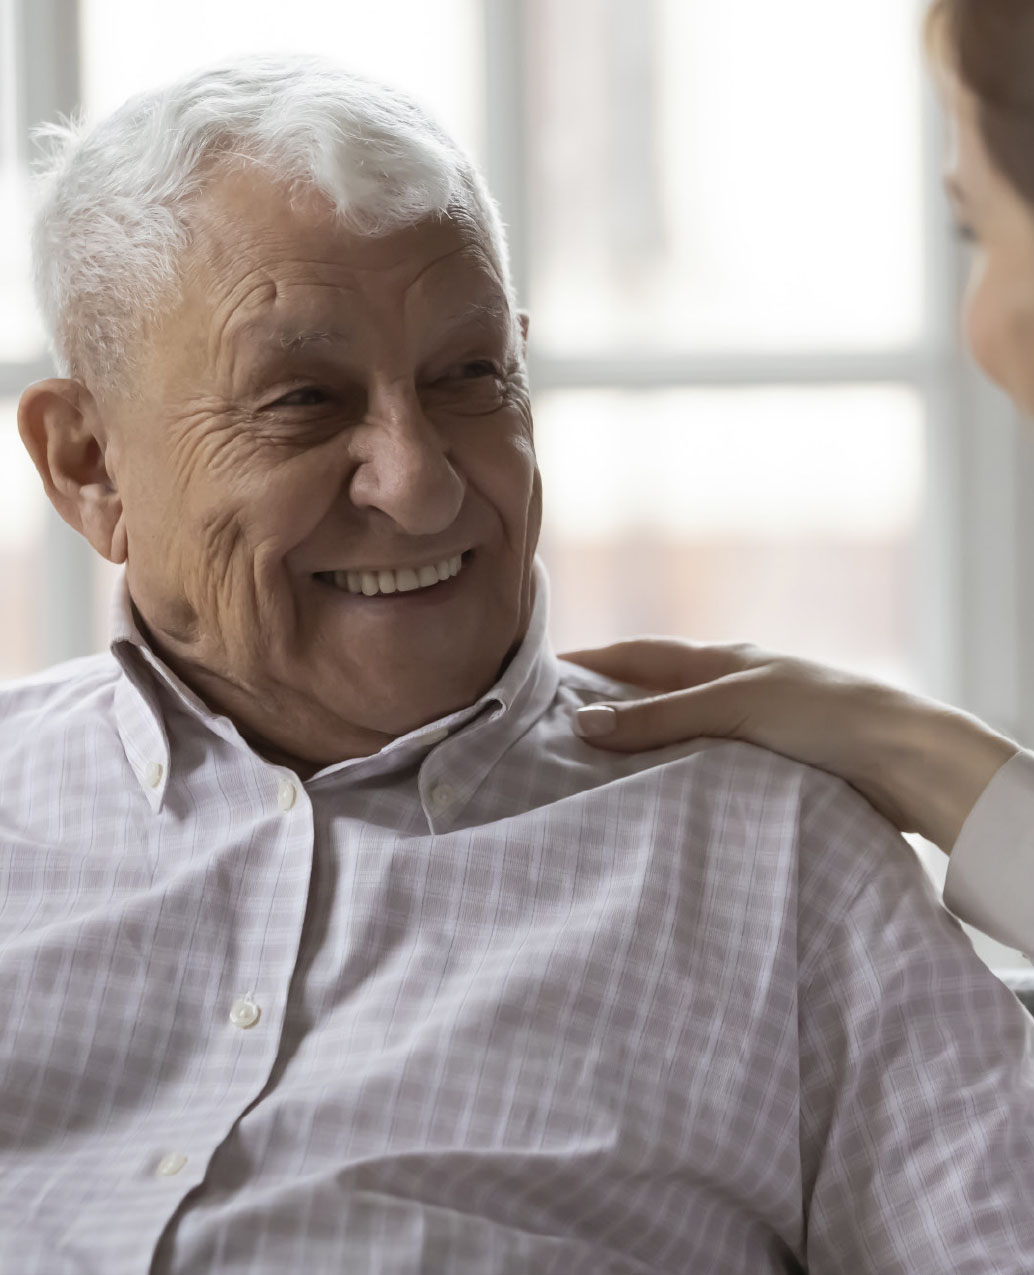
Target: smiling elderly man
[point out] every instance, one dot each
(325, 944)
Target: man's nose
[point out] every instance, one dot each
(404, 465)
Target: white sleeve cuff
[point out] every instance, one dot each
(990, 882)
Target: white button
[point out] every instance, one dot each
(442, 796)
(244, 1013)
(285, 794)
(171, 1164)
(153, 774)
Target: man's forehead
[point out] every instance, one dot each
(303, 317)
(278, 334)
(288, 261)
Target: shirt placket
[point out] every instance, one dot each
(242, 1022)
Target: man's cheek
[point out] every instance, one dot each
(293, 500)
(215, 565)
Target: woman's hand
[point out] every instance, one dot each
(921, 764)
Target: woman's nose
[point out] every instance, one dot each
(405, 467)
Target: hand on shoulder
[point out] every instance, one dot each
(922, 764)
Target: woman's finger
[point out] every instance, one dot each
(666, 663)
(714, 710)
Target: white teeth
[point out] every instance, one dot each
(403, 580)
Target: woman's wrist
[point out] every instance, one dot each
(936, 763)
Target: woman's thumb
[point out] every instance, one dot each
(708, 710)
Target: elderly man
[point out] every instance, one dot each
(325, 944)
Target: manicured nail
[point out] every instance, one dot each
(599, 719)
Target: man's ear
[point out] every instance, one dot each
(524, 319)
(61, 427)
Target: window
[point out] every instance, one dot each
(720, 512)
(725, 277)
(37, 80)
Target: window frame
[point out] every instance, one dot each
(47, 60)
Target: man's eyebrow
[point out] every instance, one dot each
(497, 309)
(490, 313)
(293, 341)
(954, 189)
(265, 338)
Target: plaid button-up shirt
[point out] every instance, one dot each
(487, 1002)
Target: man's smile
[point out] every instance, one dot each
(376, 581)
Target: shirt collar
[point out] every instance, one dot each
(138, 712)
(525, 689)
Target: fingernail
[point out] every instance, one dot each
(599, 719)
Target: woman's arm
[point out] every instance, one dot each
(921, 764)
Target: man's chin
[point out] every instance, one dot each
(432, 697)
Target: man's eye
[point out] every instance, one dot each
(308, 396)
(476, 369)
(966, 233)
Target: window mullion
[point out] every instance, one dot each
(730, 370)
(47, 54)
(505, 27)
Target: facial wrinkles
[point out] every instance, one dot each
(207, 448)
(227, 439)
(252, 294)
(308, 307)
(255, 339)
(517, 397)
(237, 284)
(246, 620)
(200, 616)
(525, 444)
(533, 522)
(221, 584)
(262, 490)
(203, 438)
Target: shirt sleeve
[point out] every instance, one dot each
(917, 1076)
(990, 882)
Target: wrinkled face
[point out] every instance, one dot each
(999, 308)
(328, 480)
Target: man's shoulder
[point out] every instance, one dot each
(832, 827)
(758, 767)
(752, 806)
(53, 697)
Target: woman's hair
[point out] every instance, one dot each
(113, 216)
(989, 44)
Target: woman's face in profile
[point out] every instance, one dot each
(998, 315)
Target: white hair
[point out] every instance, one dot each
(112, 218)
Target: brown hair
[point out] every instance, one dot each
(989, 44)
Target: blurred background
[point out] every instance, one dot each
(753, 415)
